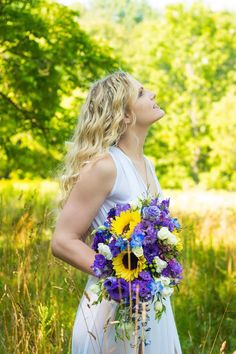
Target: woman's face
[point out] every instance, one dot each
(145, 107)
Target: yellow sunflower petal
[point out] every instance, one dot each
(128, 268)
(124, 224)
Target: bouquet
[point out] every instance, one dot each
(137, 262)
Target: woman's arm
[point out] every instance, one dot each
(88, 194)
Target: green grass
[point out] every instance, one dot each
(40, 294)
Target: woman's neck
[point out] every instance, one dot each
(132, 147)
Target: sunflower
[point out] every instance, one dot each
(127, 265)
(125, 223)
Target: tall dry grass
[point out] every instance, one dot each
(40, 294)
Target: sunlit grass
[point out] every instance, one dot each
(40, 294)
(205, 307)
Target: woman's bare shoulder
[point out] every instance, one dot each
(102, 166)
(100, 171)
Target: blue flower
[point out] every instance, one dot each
(155, 287)
(120, 242)
(176, 223)
(137, 240)
(106, 224)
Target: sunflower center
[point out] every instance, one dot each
(133, 261)
(126, 228)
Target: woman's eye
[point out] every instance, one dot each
(140, 93)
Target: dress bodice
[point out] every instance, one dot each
(128, 184)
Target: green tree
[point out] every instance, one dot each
(189, 62)
(223, 142)
(45, 58)
(186, 55)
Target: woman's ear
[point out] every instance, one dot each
(127, 119)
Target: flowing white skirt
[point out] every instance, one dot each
(89, 336)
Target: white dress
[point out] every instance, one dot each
(89, 336)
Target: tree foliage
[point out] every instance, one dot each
(50, 54)
(45, 57)
(187, 56)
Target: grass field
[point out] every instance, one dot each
(40, 294)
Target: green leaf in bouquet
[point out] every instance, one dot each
(158, 314)
(124, 325)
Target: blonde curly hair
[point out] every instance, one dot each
(100, 124)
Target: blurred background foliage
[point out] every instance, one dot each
(50, 54)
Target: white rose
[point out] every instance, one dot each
(158, 306)
(159, 264)
(136, 203)
(167, 291)
(163, 233)
(105, 250)
(138, 251)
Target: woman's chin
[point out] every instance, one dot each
(160, 114)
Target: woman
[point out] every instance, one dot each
(105, 165)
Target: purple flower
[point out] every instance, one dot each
(145, 275)
(149, 240)
(150, 251)
(100, 261)
(175, 266)
(98, 265)
(99, 237)
(151, 212)
(117, 209)
(122, 207)
(173, 269)
(117, 288)
(146, 227)
(156, 201)
(111, 213)
(101, 266)
(115, 250)
(165, 204)
(166, 220)
(166, 272)
(143, 289)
